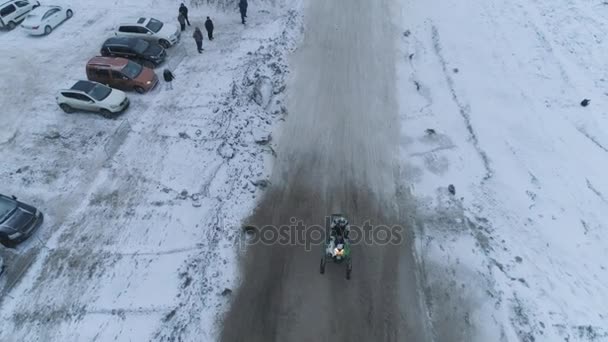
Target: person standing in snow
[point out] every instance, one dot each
(209, 28)
(243, 9)
(169, 77)
(184, 11)
(182, 21)
(198, 38)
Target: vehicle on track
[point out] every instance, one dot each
(150, 29)
(148, 54)
(121, 73)
(13, 12)
(336, 249)
(93, 97)
(43, 19)
(18, 221)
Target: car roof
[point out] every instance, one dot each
(84, 86)
(142, 21)
(42, 9)
(125, 41)
(113, 62)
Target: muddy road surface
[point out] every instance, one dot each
(336, 154)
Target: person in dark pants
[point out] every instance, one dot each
(243, 9)
(168, 76)
(184, 11)
(182, 21)
(198, 38)
(209, 28)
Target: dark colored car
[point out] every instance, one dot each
(146, 53)
(18, 221)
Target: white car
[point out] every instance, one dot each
(150, 29)
(14, 11)
(43, 19)
(93, 97)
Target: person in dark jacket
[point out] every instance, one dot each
(182, 21)
(198, 38)
(168, 75)
(209, 28)
(184, 11)
(243, 9)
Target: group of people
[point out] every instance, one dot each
(198, 34)
(182, 18)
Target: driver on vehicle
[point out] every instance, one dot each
(339, 230)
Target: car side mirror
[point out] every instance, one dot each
(14, 197)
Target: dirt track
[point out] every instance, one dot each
(336, 155)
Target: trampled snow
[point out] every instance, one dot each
(142, 213)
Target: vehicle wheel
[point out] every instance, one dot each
(48, 30)
(106, 113)
(69, 13)
(148, 64)
(11, 25)
(164, 43)
(322, 268)
(66, 108)
(139, 89)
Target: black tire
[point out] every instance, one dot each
(139, 89)
(322, 266)
(66, 108)
(148, 64)
(164, 43)
(48, 30)
(69, 13)
(106, 113)
(11, 25)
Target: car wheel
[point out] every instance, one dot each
(148, 64)
(106, 113)
(66, 108)
(164, 43)
(11, 25)
(139, 89)
(69, 13)
(48, 30)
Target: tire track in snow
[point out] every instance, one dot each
(464, 109)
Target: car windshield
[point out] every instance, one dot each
(6, 207)
(141, 46)
(154, 25)
(100, 92)
(132, 70)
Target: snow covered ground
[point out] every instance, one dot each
(519, 252)
(142, 212)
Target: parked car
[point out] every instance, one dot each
(43, 19)
(121, 73)
(13, 12)
(93, 97)
(150, 29)
(18, 221)
(146, 53)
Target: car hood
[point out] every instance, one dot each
(115, 98)
(32, 21)
(169, 30)
(145, 75)
(153, 50)
(18, 221)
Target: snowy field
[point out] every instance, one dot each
(524, 238)
(141, 212)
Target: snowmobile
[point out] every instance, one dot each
(336, 250)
